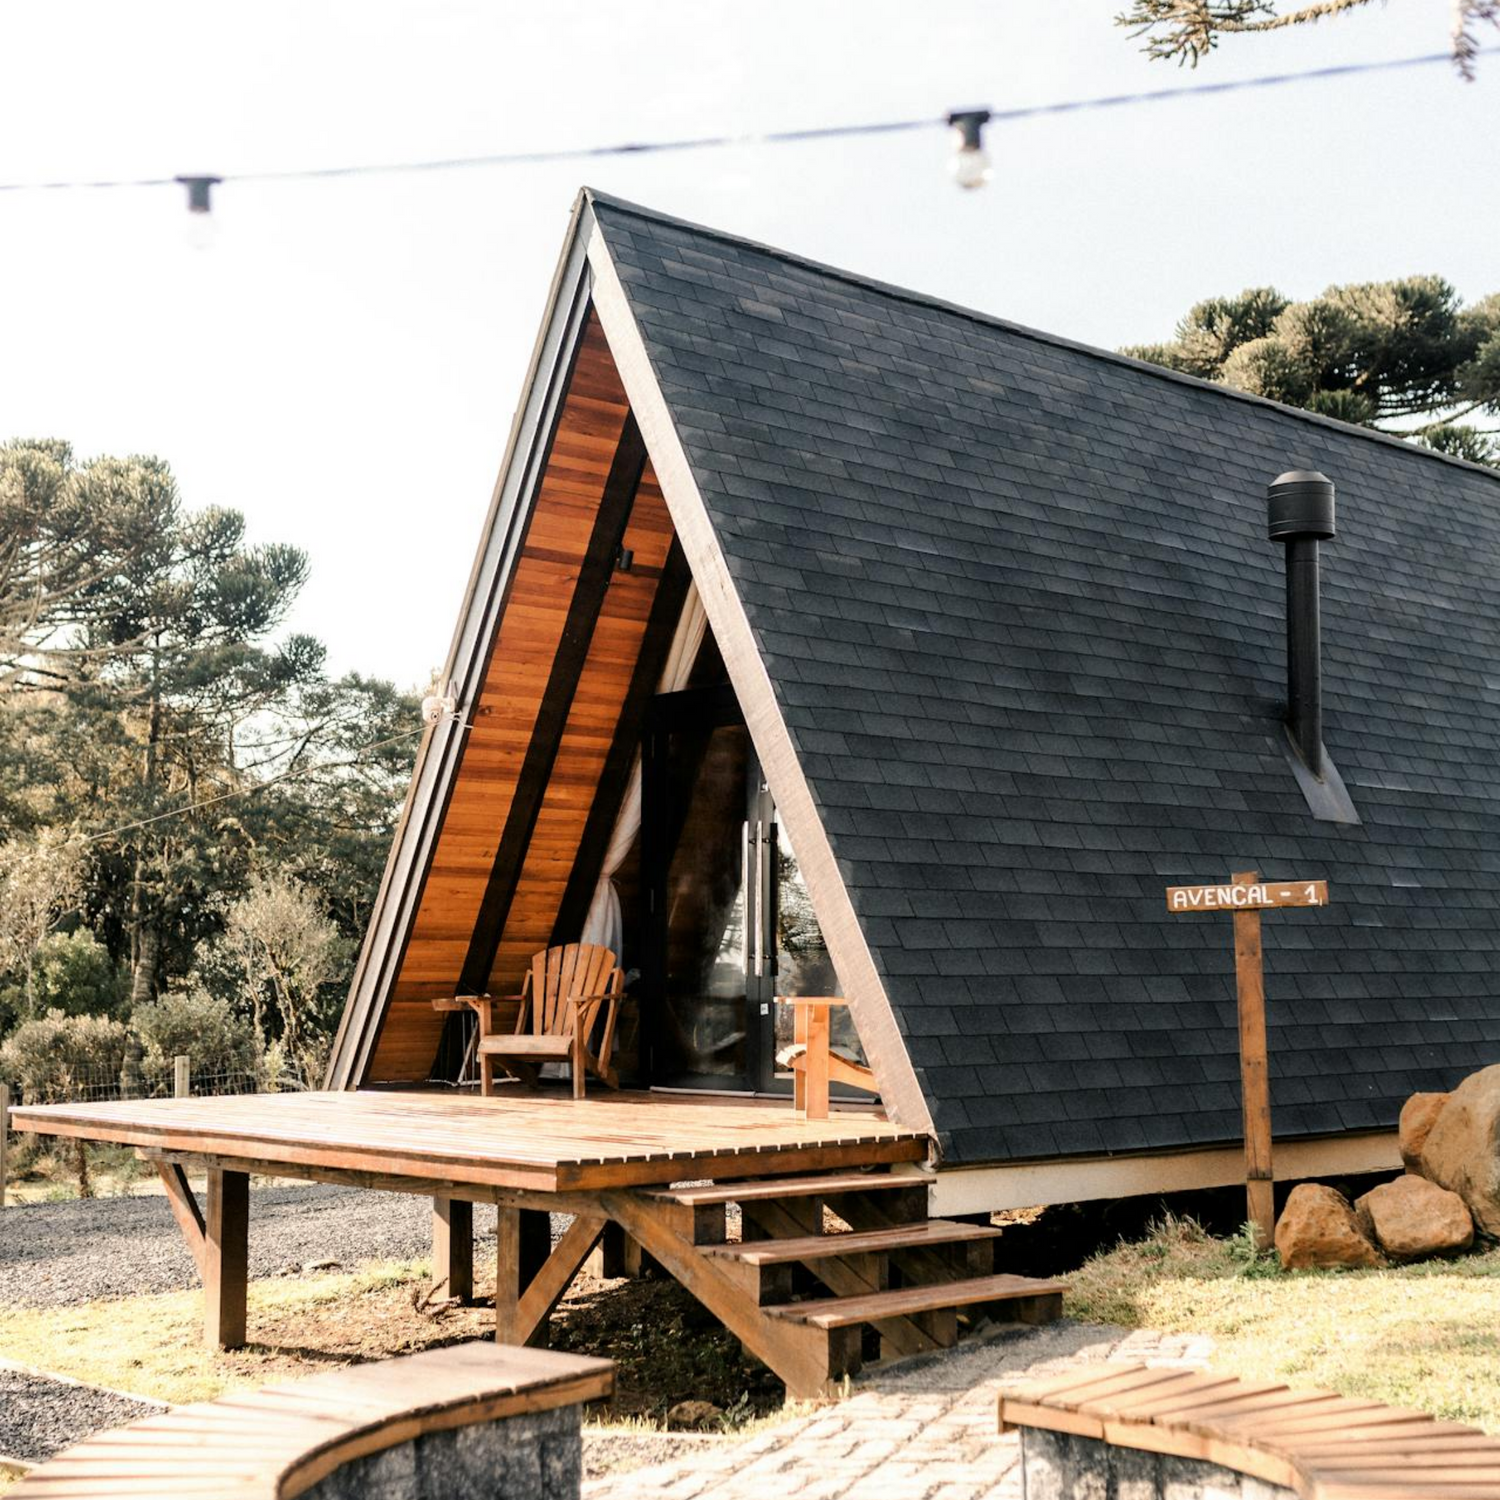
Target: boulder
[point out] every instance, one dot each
(694, 1415)
(1318, 1229)
(1462, 1152)
(1418, 1116)
(1412, 1219)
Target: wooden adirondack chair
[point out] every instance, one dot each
(560, 1000)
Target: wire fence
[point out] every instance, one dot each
(158, 1078)
(146, 1078)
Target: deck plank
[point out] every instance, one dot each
(545, 1141)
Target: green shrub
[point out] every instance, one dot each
(58, 1057)
(73, 973)
(198, 1025)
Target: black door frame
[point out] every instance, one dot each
(705, 709)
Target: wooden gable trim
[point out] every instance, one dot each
(869, 1004)
(440, 754)
(557, 701)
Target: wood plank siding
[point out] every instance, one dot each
(536, 634)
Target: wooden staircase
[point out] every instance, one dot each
(830, 1270)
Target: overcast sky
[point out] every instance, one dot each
(342, 363)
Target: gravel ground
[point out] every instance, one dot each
(40, 1417)
(52, 1254)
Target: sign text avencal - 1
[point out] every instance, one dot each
(1242, 896)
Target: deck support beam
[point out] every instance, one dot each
(186, 1211)
(453, 1247)
(219, 1242)
(226, 1258)
(553, 1278)
(523, 1246)
(618, 1255)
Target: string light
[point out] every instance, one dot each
(200, 187)
(200, 222)
(970, 165)
(199, 192)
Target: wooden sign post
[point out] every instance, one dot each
(1246, 897)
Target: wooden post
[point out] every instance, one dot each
(226, 1258)
(1255, 1079)
(816, 1060)
(523, 1242)
(508, 1286)
(799, 1075)
(4, 1138)
(1247, 897)
(453, 1246)
(607, 1260)
(182, 1082)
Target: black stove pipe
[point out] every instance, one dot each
(1300, 513)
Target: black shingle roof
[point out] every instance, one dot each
(1025, 627)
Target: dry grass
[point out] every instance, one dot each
(666, 1349)
(1426, 1336)
(153, 1346)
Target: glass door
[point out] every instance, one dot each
(699, 777)
(728, 920)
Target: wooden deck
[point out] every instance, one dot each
(837, 1255)
(538, 1142)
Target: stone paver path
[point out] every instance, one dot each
(924, 1430)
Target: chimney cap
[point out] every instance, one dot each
(1299, 504)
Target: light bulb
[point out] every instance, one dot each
(202, 231)
(970, 164)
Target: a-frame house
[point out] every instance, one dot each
(1001, 621)
(828, 639)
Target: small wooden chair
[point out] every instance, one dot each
(560, 999)
(813, 1061)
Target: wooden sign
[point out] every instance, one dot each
(1246, 896)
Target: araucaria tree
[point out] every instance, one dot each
(189, 668)
(1405, 357)
(1190, 29)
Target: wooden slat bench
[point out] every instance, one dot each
(390, 1429)
(1099, 1424)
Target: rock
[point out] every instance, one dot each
(1411, 1219)
(1418, 1115)
(1317, 1228)
(694, 1415)
(1462, 1152)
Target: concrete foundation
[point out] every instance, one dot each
(536, 1456)
(1060, 1466)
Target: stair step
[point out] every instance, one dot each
(841, 1312)
(761, 1188)
(825, 1246)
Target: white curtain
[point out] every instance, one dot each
(605, 922)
